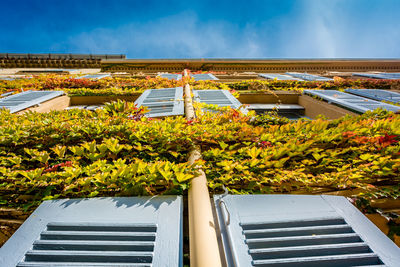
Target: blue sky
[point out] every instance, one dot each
(204, 29)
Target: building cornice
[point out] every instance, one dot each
(218, 65)
(251, 65)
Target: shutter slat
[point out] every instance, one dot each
(93, 245)
(376, 94)
(131, 231)
(204, 77)
(89, 256)
(59, 226)
(317, 250)
(77, 235)
(162, 102)
(279, 77)
(298, 223)
(356, 103)
(95, 76)
(383, 75)
(326, 261)
(302, 240)
(171, 76)
(392, 75)
(309, 77)
(369, 75)
(330, 229)
(27, 99)
(86, 264)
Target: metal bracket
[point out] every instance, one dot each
(220, 202)
(228, 221)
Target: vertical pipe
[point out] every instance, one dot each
(204, 250)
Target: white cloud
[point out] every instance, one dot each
(181, 35)
(318, 29)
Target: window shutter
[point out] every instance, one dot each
(299, 230)
(356, 103)
(95, 76)
(390, 75)
(383, 75)
(369, 75)
(61, 71)
(376, 94)
(204, 77)
(122, 231)
(222, 98)
(280, 77)
(308, 77)
(6, 94)
(162, 102)
(27, 99)
(171, 76)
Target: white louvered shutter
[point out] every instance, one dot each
(300, 230)
(162, 102)
(356, 103)
(204, 77)
(27, 99)
(121, 231)
(222, 98)
(280, 77)
(309, 77)
(376, 94)
(95, 76)
(382, 75)
(171, 76)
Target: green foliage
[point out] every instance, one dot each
(116, 151)
(359, 153)
(115, 86)
(113, 151)
(85, 87)
(269, 118)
